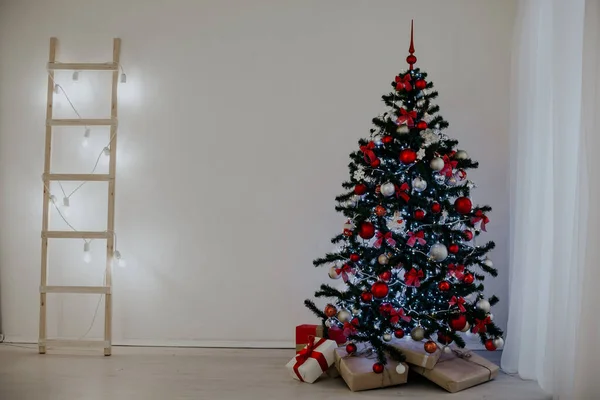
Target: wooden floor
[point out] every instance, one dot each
(176, 373)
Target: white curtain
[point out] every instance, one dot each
(553, 333)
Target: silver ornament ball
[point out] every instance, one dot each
(438, 252)
(499, 343)
(452, 181)
(343, 315)
(387, 337)
(488, 263)
(419, 184)
(328, 323)
(466, 328)
(484, 305)
(356, 311)
(383, 259)
(447, 349)
(402, 129)
(400, 369)
(333, 273)
(439, 179)
(461, 155)
(388, 189)
(417, 334)
(437, 164)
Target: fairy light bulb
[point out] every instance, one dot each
(119, 260)
(65, 206)
(86, 138)
(107, 151)
(87, 254)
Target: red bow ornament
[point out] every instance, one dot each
(402, 191)
(449, 165)
(480, 325)
(457, 271)
(480, 217)
(414, 238)
(368, 152)
(458, 301)
(384, 236)
(344, 271)
(413, 277)
(403, 82)
(406, 117)
(349, 329)
(309, 352)
(397, 315)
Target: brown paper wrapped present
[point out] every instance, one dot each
(415, 353)
(459, 370)
(358, 373)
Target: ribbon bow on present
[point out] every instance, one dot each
(449, 165)
(480, 216)
(417, 237)
(480, 325)
(309, 352)
(344, 271)
(458, 301)
(413, 277)
(402, 191)
(384, 236)
(403, 82)
(368, 152)
(458, 271)
(406, 117)
(397, 315)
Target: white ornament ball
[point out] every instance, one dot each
(461, 155)
(333, 273)
(438, 252)
(383, 259)
(343, 315)
(328, 323)
(466, 328)
(402, 129)
(499, 343)
(484, 305)
(400, 369)
(488, 263)
(437, 164)
(452, 181)
(356, 311)
(419, 184)
(417, 334)
(387, 337)
(439, 179)
(491, 316)
(447, 350)
(388, 189)
(353, 202)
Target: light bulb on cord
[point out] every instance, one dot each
(107, 151)
(56, 88)
(65, 206)
(75, 76)
(118, 259)
(87, 254)
(123, 78)
(86, 137)
(53, 199)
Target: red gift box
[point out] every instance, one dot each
(303, 332)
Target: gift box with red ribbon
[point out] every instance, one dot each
(303, 332)
(316, 358)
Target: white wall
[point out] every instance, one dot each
(236, 124)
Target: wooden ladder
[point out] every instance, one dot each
(48, 177)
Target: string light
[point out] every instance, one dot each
(118, 259)
(86, 137)
(87, 254)
(65, 206)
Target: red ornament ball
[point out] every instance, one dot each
(420, 84)
(463, 205)
(378, 368)
(411, 59)
(366, 297)
(443, 338)
(468, 235)
(351, 348)
(430, 346)
(444, 286)
(330, 310)
(355, 321)
(385, 276)
(399, 333)
(419, 214)
(408, 156)
(354, 257)
(468, 279)
(422, 125)
(387, 139)
(380, 211)
(366, 230)
(458, 322)
(436, 207)
(385, 309)
(453, 248)
(360, 189)
(489, 345)
(380, 290)
(375, 163)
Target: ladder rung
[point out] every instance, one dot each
(82, 122)
(110, 66)
(75, 235)
(76, 289)
(78, 177)
(74, 343)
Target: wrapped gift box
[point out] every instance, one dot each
(459, 370)
(358, 373)
(313, 361)
(303, 332)
(416, 354)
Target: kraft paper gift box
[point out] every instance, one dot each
(313, 361)
(415, 353)
(459, 370)
(303, 332)
(358, 373)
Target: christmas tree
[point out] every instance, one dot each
(408, 253)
